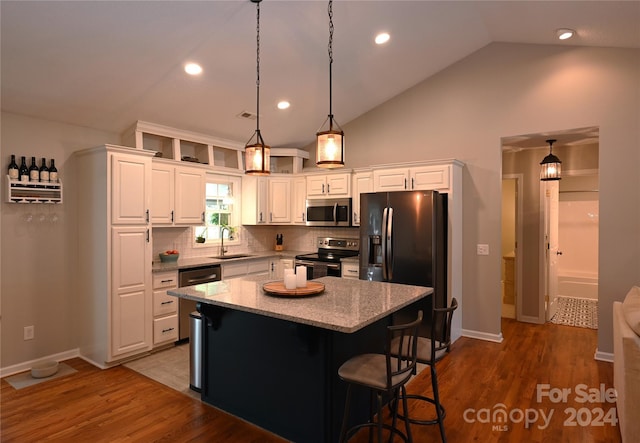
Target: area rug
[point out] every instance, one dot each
(580, 312)
(25, 379)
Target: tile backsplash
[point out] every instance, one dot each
(251, 239)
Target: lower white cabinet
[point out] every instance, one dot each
(246, 267)
(165, 308)
(350, 270)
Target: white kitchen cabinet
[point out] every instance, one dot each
(255, 199)
(178, 194)
(130, 183)
(350, 269)
(165, 308)
(330, 185)
(362, 183)
(243, 267)
(279, 200)
(266, 200)
(299, 200)
(419, 178)
(113, 277)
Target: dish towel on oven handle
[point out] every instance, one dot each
(319, 270)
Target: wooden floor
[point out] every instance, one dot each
(476, 379)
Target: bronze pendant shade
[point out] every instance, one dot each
(550, 166)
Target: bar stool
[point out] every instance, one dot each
(383, 374)
(430, 351)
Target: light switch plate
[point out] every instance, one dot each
(482, 249)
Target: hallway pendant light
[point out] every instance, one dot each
(257, 155)
(550, 165)
(330, 139)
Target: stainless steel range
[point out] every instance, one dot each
(327, 260)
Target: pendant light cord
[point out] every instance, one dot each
(258, 71)
(330, 11)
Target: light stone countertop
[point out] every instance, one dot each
(346, 305)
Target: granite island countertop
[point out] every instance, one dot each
(346, 305)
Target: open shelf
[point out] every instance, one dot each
(33, 192)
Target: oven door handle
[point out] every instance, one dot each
(311, 264)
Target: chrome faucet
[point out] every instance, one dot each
(222, 248)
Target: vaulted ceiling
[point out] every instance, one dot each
(107, 64)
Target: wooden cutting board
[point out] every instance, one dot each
(277, 288)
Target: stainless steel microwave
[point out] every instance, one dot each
(328, 212)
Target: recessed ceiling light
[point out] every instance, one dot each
(283, 104)
(382, 38)
(192, 68)
(564, 33)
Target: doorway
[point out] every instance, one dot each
(521, 155)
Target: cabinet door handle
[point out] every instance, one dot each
(413, 185)
(303, 216)
(271, 216)
(166, 281)
(323, 188)
(328, 192)
(166, 302)
(405, 183)
(147, 235)
(167, 330)
(172, 216)
(147, 215)
(203, 217)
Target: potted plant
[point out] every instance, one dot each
(201, 238)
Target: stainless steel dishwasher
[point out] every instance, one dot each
(189, 277)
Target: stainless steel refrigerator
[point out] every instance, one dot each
(403, 239)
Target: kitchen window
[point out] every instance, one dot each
(222, 211)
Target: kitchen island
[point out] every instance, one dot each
(273, 361)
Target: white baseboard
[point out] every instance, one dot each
(603, 356)
(27, 365)
(497, 338)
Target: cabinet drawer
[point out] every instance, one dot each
(165, 280)
(350, 271)
(165, 329)
(164, 304)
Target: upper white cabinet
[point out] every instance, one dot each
(330, 185)
(279, 200)
(130, 187)
(266, 200)
(421, 178)
(299, 200)
(177, 195)
(362, 183)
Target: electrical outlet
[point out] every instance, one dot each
(29, 332)
(482, 249)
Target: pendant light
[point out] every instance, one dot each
(330, 141)
(550, 165)
(256, 153)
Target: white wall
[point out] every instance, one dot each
(37, 257)
(510, 89)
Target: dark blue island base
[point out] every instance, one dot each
(281, 375)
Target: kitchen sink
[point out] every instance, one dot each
(230, 256)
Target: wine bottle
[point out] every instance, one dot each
(53, 172)
(13, 168)
(34, 172)
(23, 172)
(44, 171)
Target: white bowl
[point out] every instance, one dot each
(44, 369)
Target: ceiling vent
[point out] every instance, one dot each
(247, 115)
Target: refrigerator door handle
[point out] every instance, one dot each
(384, 244)
(389, 251)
